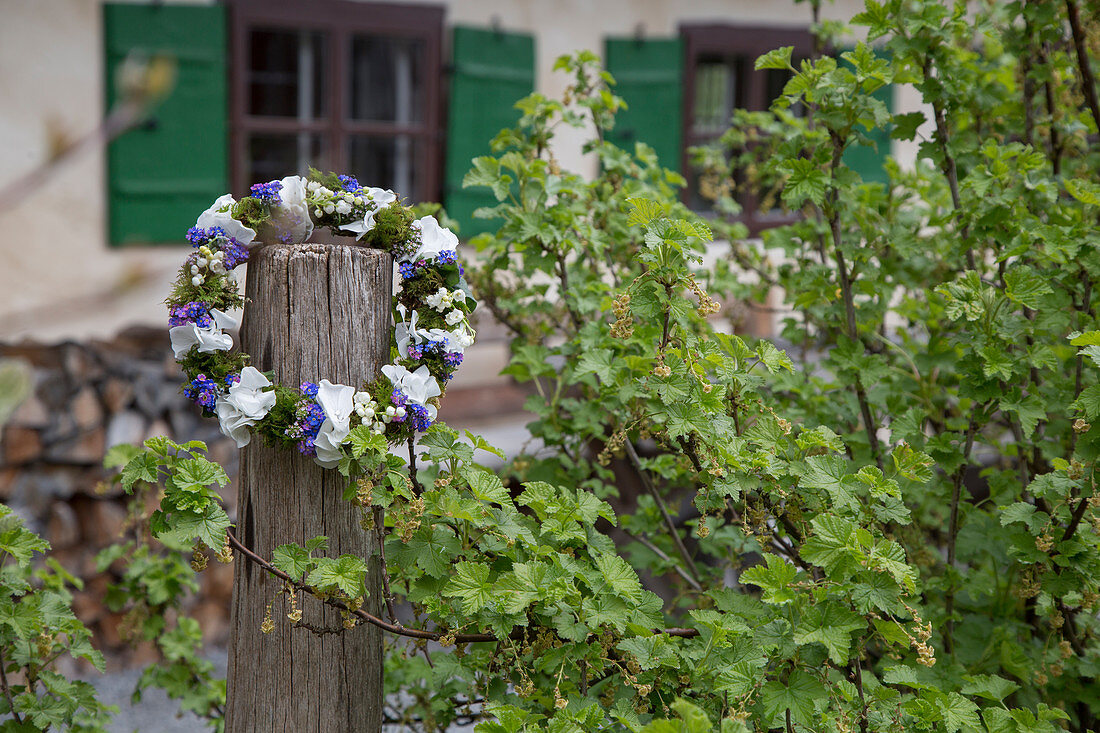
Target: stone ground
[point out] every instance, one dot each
(155, 712)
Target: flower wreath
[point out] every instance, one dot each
(431, 305)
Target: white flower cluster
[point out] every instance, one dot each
(362, 207)
(209, 263)
(455, 341)
(442, 300)
(367, 410)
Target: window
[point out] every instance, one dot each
(718, 78)
(346, 86)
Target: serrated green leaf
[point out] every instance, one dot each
(618, 574)
(195, 474)
(142, 467)
(208, 525)
(598, 362)
(912, 464)
(643, 211)
(957, 712)
(777, 58)
(774, 579)
(800, 695)
(831, 545)
(292, 560)
(806, 181)
(831, 474)
(1024, 286)
(1029, 410)
(989, 686)
(486, 485)
(1085, 191)
(830, 625)
(344, 573)
(470, 584)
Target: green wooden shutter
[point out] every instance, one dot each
(869, 161)
(649, 75)
(492, 71)
(165, 172)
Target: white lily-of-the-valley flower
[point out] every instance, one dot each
(220, 214)
(336, 400)
(454, 341)
(246, 403)
(382, 197)
(211, 338)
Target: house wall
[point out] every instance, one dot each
(60, 280)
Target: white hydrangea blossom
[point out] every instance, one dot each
(292, 222)
(433, 240)
(418, 386)
(220, 214)
(247, 402)
(208, 339)
(336, 400)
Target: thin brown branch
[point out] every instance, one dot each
(953, 534)
(950, 169)
(380, 532)
(1075, 520)
(1052, 111)
(563, 278)
(1069, 630)
(1084, 66)
(1079, 369)
(418, 489)
(398, 630)
(665, 328)
(7, 689)
(664, 556)
(862, 700)
(672, 528)
(1029, 84)
(1086, 306)
(120, 119)
(869, 424)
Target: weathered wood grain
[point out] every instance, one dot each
(315, 311)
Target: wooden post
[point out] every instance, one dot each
(315, 311)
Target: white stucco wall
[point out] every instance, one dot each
(59, 279)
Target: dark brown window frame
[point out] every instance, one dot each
(341, 19)
(749, 41)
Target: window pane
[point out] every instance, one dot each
(387, 79)
(717, 85)
(277, 156)
(286, 74)
(395, 162)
